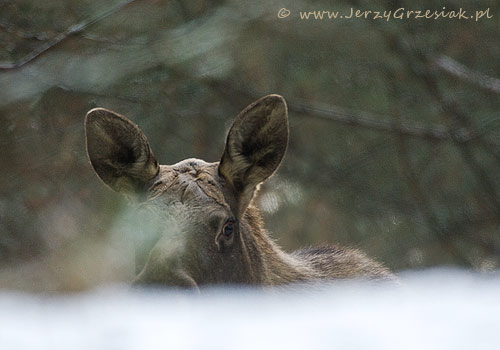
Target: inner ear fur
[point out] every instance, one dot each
(119, 151)
(255, 146)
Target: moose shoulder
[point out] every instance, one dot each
(207, 229)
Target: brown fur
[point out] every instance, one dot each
(204, 226)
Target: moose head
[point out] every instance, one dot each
(206, 229)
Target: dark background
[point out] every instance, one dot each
(395, 139)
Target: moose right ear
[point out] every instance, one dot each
(119, 152)
(255, 146)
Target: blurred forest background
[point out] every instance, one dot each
(395, 125)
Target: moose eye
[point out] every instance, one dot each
(228, 229)
(225, 238)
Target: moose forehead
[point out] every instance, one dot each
(189, 180)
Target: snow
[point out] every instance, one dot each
(443, 309)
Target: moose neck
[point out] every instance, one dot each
(268, 263)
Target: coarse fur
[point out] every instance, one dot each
(202, 224)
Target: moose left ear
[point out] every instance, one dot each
(255, 145)
(119, 152)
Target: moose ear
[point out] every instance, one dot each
(255, 145)
(119, 152)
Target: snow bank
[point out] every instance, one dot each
(430, 310)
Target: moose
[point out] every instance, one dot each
(208, 229)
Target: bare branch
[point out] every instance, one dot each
(458, 70)
(77, 28)
(459, 119)
(358, 118)
(376, 122)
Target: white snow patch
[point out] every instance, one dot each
(430, 310)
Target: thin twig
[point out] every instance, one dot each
(460, 71)
(420, 196)
(424, 205)
(420, 65)
(77, 28)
